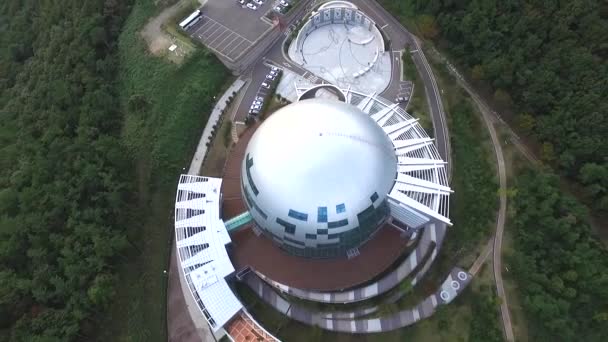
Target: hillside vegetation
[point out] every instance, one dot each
(92, 133)
(561, 269)
(63, 176)
(546, 60)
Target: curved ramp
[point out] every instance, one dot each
(452, 286)
(432, 235)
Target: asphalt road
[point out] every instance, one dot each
(399, 37)
(500, 221)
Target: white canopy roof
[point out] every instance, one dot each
(201, 238)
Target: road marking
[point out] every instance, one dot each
(237, 45)
(230, 43)
(205, 24)
(210, 33)
(220, 35)
(385, 25)
(414, 51)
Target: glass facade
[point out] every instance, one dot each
(332, 238)
(340, 208)
(369, 220)
(289, 227)
(322, 214)
(297, 215)
(248, 165)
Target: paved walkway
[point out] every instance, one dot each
(430, 242)
(454, 284)
(185, 322)
(490, 119)
(201, 149)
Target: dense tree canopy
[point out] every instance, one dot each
(562, 270)
(547, 58)
(62, 171)
(475, 198)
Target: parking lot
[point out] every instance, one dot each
(229, 28)
(254, 90)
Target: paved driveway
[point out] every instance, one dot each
(229, 29)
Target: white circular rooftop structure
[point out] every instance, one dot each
(314, 170)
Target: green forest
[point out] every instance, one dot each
(544, 59)
(474, 202)
(92, 128)
(561, 269)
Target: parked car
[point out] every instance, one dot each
(401, 99)
(252, 6)
(259, 98)
(259, 2)
(242, 2)
(265, 85)
(284, 3)
(270, 77)
(274, 68)
(257, 103)
(254, 112)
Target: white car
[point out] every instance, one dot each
(273, 72)
(284, 3)
(242, 2)
(259, 98)
(259, 2)
(252, 6)
(257, 103)
(273, 68)
(256, 107)
(270, 77)
(278, 9)
(402, 99)
(265, 85)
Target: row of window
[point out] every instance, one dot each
(189, 195)
(252, 203)
(248, 165)
(337, 224)
(290, 228)
(180, 212)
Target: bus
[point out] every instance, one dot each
(191, 20)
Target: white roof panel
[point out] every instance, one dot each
(201, 239)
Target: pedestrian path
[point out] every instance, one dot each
(452, 286)
(201, 149)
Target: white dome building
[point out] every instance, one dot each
(316, 175)
(321, 175)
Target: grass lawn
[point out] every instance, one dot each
(217, 153)
(166, 106)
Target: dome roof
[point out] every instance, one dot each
(313, 164)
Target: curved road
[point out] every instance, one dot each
(393, 28)
(500, 221)
(400, 37)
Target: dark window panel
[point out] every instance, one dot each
(289, 227)
(297, 215)
(322, 214)
(340, 208)
(337, 224)
(374, 197)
